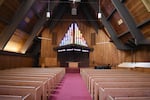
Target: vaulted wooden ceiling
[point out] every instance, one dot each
(22, 20)
(28, 17)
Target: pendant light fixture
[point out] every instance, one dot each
(74, 8)
(75, 1)
(99, 15)
(48, 13)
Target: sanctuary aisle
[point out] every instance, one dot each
(72, 87)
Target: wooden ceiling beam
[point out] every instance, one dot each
(1, 2)
(95, 5)
(145, 42)
(128, 19)
(61, 9)
(113, 35)
(4, 20)
(90, 18)
(18, 17)
(36, 13)
(34, 32)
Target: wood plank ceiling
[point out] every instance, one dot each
(22, 20)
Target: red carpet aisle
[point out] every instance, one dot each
(72, 87)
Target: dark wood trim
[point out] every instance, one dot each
(18, 17)
(113, 11)
(89, 17)
(143, 23)
(58, 16)
(122, 34)
(145, 42)
(122, 1)
(4, 20)
(75, 46)
(13, 54)
(129, 21)
(106, 33)
(36, 13)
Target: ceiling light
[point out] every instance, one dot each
(99, 15)
(74, 11)
(48, 14)
(75, 0)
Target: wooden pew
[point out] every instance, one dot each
(55, 73)
(49, 77)
(127, 98)
(59, 72)
(118, 85)
(126, 92)
(16, 97)
(45, 82)
(85, 73)
(19, 90)
(26, 83)
(91, 77)
(117, 74)
(118, 79)
(92, 81)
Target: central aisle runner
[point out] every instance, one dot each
(72, 88)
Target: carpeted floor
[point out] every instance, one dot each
(72, 87)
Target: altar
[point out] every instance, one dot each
(73, 64)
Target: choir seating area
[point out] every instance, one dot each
(117, 84)
(29, 83)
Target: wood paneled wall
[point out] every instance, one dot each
(61, 28)
(105, 52)
(48, 55)
(12, 61)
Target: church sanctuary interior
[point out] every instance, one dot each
(74, 49)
